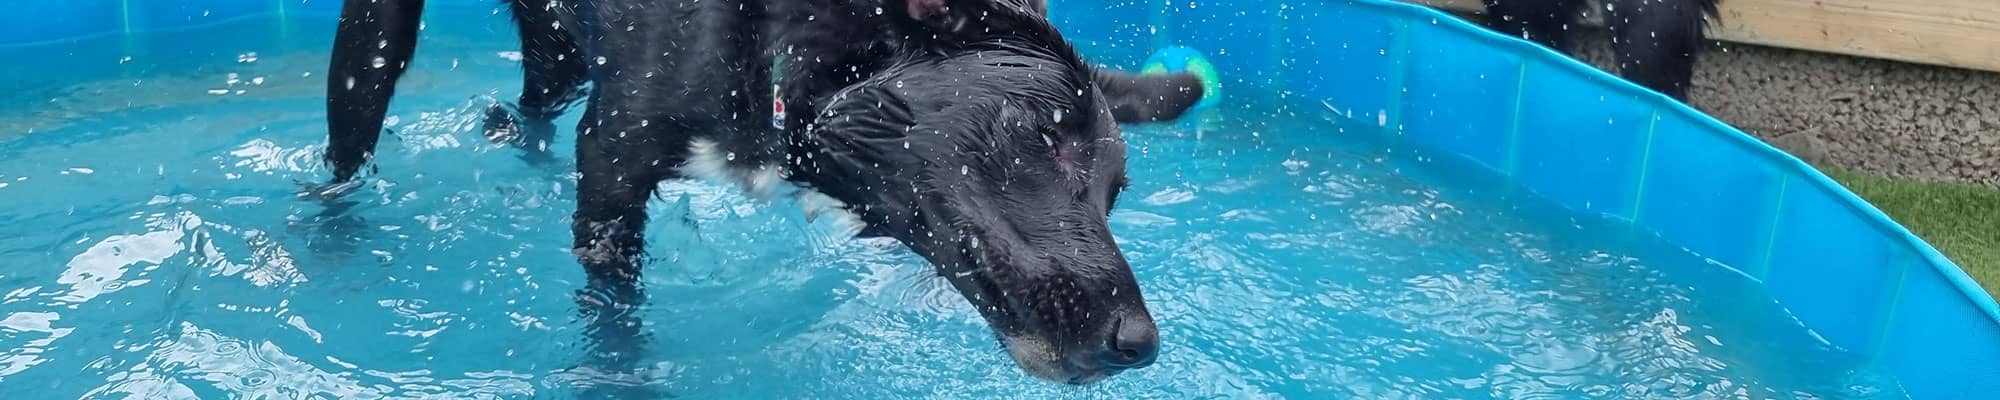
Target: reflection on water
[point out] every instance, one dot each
(169, 251)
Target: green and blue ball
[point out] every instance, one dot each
(1183, 59)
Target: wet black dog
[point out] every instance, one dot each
(967, 129)
(1656, 41)
(987, 145)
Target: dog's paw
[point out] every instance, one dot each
(506, 125)
(324, 191)
(503, 124)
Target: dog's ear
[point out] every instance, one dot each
(1148, 97)
(938, 16)
(926, 9)
(953, 17)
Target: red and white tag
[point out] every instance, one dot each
(777, 109)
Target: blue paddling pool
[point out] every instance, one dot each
(1383, 202)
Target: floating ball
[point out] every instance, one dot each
(1183, 59)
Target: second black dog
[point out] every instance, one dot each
(1656, 41)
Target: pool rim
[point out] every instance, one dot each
(1967, 287)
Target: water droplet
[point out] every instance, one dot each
(379, 62)
(601, 60)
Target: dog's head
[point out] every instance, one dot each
(988, 150)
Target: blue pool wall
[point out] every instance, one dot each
(1558, 128)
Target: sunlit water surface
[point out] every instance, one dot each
(154, 246)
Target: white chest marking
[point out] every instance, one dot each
(708, 161)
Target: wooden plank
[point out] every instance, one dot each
(1955, 33)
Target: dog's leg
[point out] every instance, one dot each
(553, 74)
(611, 201)
(1542, 21)
(1146, 98)
(1657, 41)
(371, 48)
(655, 84)
(633, 133)
(608, 227)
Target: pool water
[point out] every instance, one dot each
(156, 246)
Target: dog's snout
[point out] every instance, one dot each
(1134, 343)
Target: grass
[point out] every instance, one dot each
(1961, 220)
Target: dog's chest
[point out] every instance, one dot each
(707, 160)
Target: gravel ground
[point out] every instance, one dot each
(1877, 116)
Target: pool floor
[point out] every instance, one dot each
(156, 246)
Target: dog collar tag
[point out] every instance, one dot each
(777, 95)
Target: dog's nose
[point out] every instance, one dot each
(1134, 343)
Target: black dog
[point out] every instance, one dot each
(1001, 161)
(1656, 41)
(979, 130)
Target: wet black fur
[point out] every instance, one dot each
(1656, 41)
(663, 74)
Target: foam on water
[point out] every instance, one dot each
(1282, 258)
